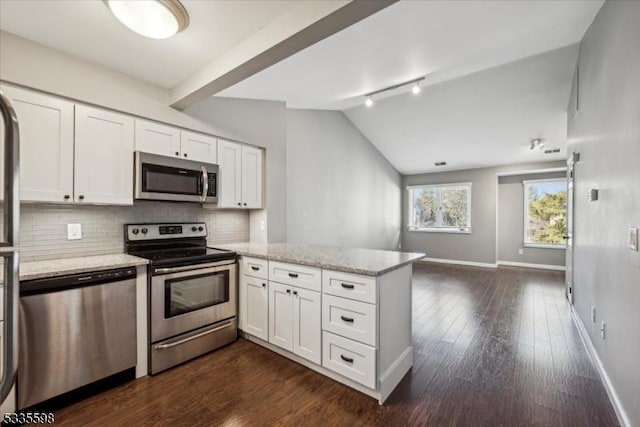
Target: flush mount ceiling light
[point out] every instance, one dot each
(156, 19)
(415, 89)
(536, 144)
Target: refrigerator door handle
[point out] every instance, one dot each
(11, 207)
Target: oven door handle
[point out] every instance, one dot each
(205, 184)
(190, 267)
(193, 337)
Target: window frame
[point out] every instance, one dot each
(453, 230)
(525, 216)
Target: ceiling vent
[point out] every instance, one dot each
(440, 163)
(555, 150)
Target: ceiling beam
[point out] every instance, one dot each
(307, 24)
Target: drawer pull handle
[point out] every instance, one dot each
(347, 319)
(264, 285)
(347, 286)
(293, 275)
(346, 359)
(254, 268)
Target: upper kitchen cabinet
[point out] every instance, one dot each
(103, 157)
(156, 138)
(199, 147)
(251, 177)
(46, 145)
(240, 175)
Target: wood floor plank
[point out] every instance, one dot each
(492, 347)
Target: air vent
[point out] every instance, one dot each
(555, 150)
(440, 163)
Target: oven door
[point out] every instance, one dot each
(167, 178)
(182, 301)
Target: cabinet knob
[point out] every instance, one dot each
(295, 292)
(288, 291)
(185, 154)
(245, 204)
(264, 285)
(239, 204)
(67, 197)
(177, 153)
(81, 197)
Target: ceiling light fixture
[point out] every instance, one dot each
(536, 144)
(369, 101)
(156, 19)
(415, 89)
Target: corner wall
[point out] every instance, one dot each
(605, 131)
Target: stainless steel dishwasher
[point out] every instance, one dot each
(75, 330)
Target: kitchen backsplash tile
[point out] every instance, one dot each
(43, 228)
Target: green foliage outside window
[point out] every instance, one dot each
(546, 212)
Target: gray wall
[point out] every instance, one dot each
(261, 123)
(480, 245)
(340, 190)
(606, 132)
(511, 223)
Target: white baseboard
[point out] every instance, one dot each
(530, 265)
(597, 363)
(458, 262)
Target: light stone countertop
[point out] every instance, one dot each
(57, 267)
(369, 262)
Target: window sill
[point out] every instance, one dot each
(440, 230)
(543, 246)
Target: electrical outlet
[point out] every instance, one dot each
(593, 314)
(74, 231)
(602, 330)
(633, 239)
(262, 225)
(520, 251)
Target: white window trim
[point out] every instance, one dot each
(525, 211)
(452, 230)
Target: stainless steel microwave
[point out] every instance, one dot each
(177, 180)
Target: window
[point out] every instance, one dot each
(443, 208)
(545, 213)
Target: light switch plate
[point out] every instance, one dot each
(74, 231)
(633, 239)
(593, 194)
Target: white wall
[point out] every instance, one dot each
(340, 190)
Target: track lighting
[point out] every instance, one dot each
(415, 89)
(536, 144)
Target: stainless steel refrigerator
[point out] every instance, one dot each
(9, 246)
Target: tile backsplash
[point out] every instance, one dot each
(43, 228)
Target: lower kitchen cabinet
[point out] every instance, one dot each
(255, 305)
(294, 320)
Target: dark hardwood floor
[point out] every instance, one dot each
(492, 348)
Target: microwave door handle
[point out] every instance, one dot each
(205, 186)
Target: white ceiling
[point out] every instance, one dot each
(86, 28)
(439, 39)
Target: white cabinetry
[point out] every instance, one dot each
(199, 147)
(156, 138)
(240, 175)
(306, 325)
(256, 305)
(46, 145)
(103, 157)
(281, 315)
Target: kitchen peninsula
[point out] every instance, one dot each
(345, 313)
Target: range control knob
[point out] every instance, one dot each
(135, 231)
(144, 231)
(201, 228)
(194, 229)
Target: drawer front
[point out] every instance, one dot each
(350, 359)
(255, 267)
(296, 275)
(352, 286)
(351, 319)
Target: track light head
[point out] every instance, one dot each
(416, 88)
(368, 102)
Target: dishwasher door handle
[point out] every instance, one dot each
(193, 337)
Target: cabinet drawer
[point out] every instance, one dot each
(352, 286)
(349, 358)
(255, 267)
(351, 319)
(296, 275)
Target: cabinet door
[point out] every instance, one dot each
(251, 177)
(46, 145)
(281, 315)
(230, 173)
(156, 138)
(307, 327)
(199, 147)
(256, 307)
(103, 157)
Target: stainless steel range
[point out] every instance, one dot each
(192, 291)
